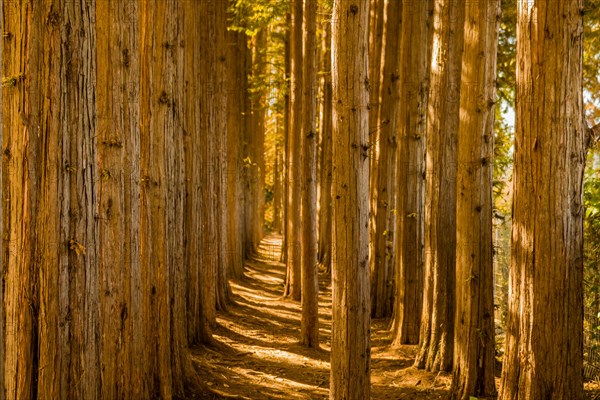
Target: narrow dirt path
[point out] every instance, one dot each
(258, 355)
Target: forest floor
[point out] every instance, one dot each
(258, 355)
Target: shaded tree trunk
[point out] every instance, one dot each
(544, 344)
(293, 281)
(350, 344)
(411, 170)
(310, 278)
(437, 321)
(326, 205)
(474, 322)
(382, 256)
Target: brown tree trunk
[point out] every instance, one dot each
(411, 170)
(350, 344)
(286, 140)
(543, 358)
(293, 282)
(474, 322)
(325, 204)
(437, 321)
(382, 256)
(377, 40)
(310, 278)
(218, 25)
(235, 138)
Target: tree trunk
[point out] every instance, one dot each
(258, 137)
(350, 344)
(411, 170)
(437, 321)
(325, 205)
(293, 282)
(382, 257)
(235, 138)
(543, 358)
(286, 139)
(310, 278)
(218, 24)
(474, 322)
(377, 40)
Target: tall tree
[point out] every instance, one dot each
(382, 256)
(293, 283)
(437, 320)
(326, 173)
(310, 278)
(544, 347)
(474, 322)
(350, 344)
(410, 189)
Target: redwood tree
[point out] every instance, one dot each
(474, 350)
(437, 320)
(350, 344)
(544, 346)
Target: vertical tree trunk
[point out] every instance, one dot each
(235, 138)
(411, 170)
(218, 25)
(258, 136)
(277, 191)
(310, 278)
(377, 40)
(382, 257)
(350, 344)
(437, 321)
(293, 282)
(474, 321)
(544, 345)
(286, 140)
(326, 206)
(21, 100)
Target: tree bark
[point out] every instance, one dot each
(350, 345)
(544, 344)
(474, 322)
(382, 257)
(411, 170)
(310, 278)
(293, 282)
(325, 204)
(437, 320)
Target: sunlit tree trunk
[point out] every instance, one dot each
(377, 33)
(382, 255)
(294, 266)
(474, 322)
(543, 358)
(410, 189)
(350, 343)
(326, 205)
(286, 140)
(437, 321)
(310, 278)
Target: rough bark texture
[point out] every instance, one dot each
(101, 260)
(293, 283)
(382, 256)
(474, 323)
(350, 344)
(411, 172)
(437, 321)
(310, 278)
(544, 345)
(326, 173)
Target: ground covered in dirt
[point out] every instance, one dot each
(258, 356)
